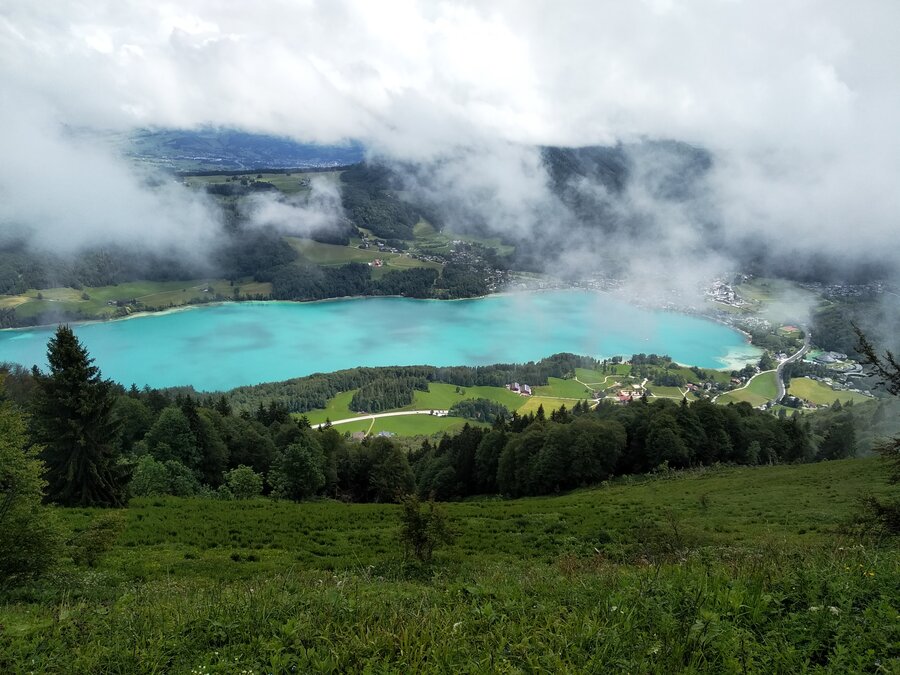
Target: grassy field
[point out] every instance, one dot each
(407, 425)
(295, 183)
(439, 397)
(666, 392)
(821, 394)
(420, 425)
(338, 408)
(730, 570)
(759, 390)
(532, 403)
(148, 293)
(442, 396)
(334, 254)
(428, 239)
(563, 388)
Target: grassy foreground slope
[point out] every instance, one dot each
(730, 570)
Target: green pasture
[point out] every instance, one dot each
(148, 293)
(420, 425)
(407, 425)
(532, 403)
(563, 389)
(335, 254)
(665, 392)
(442, 396)
(759, 390)
(821, 394)
(718, 571)
(792, 504)
(338, 408)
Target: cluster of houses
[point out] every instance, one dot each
(366, 243)
(522, 389)
(721, 291)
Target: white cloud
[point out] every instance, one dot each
(797, 100)
(317, 211)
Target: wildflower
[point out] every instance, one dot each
(815, 608)
(834, 610)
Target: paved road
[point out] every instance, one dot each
(779, 379)
(439, 413)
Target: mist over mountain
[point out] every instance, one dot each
(649, 147)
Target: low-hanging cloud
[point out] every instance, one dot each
(62, 193)
(796, 103)
(314, 212)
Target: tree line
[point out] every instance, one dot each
(100, 444)
(314, 391)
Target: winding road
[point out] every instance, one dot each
(779, 378)
(334, 423)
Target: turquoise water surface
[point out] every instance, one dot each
(218, 347)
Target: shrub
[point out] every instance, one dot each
(243, 482)
(423, 531)
(90, 544)
(152, 478)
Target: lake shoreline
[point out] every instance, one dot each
(239, 343)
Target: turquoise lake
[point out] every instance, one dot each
(217, 347)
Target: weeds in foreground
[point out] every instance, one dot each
(721, 610)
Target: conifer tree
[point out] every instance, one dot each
(72, 418)
(30, 539)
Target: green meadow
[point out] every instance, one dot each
(759, 390)
(724, 570)
(439, 396)
(93, 301)
(821, 394)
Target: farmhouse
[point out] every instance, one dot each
(522, 389)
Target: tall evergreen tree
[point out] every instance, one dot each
(72, 418)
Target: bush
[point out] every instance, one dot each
(423, 531)
(152, 478)
(90, 544)
(243, 482)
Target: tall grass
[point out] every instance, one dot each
(737, 570)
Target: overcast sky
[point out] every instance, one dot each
(798, 100)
